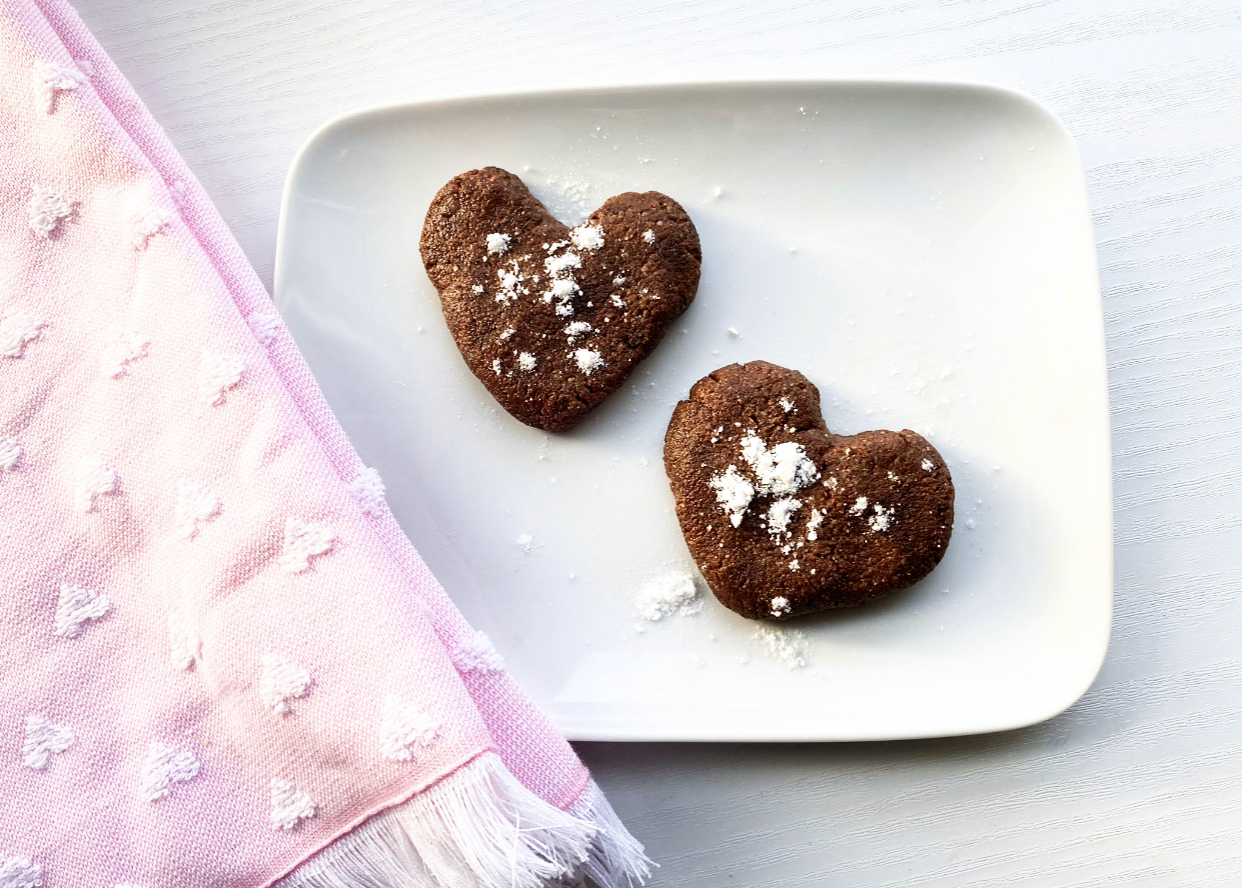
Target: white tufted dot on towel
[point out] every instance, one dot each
(47, 208)
(368, 490)
(476, 654)
(163, 767)
(74, 606)
(406, 731)
(145, 224)
(179, 192)
(290, 806)
(94, 478)
(43, 740)
(122, 345)
(303, 541)
(16, 330)
(281, 681)
(10, 453)
(264, 327)
(195, 507)
(20, 872)
(184, 644)
(51, 78)
(216, 375)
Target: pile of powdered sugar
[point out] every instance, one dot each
(670, 593)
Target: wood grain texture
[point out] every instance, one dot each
(1140, 784)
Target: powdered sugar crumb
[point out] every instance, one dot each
(813, 523)
(498, 244)
(860, 506)
(588, 361)
(928, 465)
(780, 606)
(649, 236)
(526, 361)
(587, 237)
(577, 329)
(525, 542)
(734, 493)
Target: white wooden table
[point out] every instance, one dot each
(1140, 784)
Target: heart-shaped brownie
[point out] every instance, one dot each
(553, 319)
(782, 516)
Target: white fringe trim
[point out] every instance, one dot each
(616, 859)
(477, 828)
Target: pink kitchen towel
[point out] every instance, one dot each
(221, 661)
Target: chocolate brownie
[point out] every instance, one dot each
(552, 319)
(782, 516)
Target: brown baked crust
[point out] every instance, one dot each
(660, 280)
(856, 554)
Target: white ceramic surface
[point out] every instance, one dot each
(922, 252)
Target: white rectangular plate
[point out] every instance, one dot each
(922, 252)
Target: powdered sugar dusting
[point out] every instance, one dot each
(928, 466)
(649, 236)
(526, 361)
(780, 606)
(779, 515)
(789, 646)
(778, 471)
(562, 287)
(512, 283)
